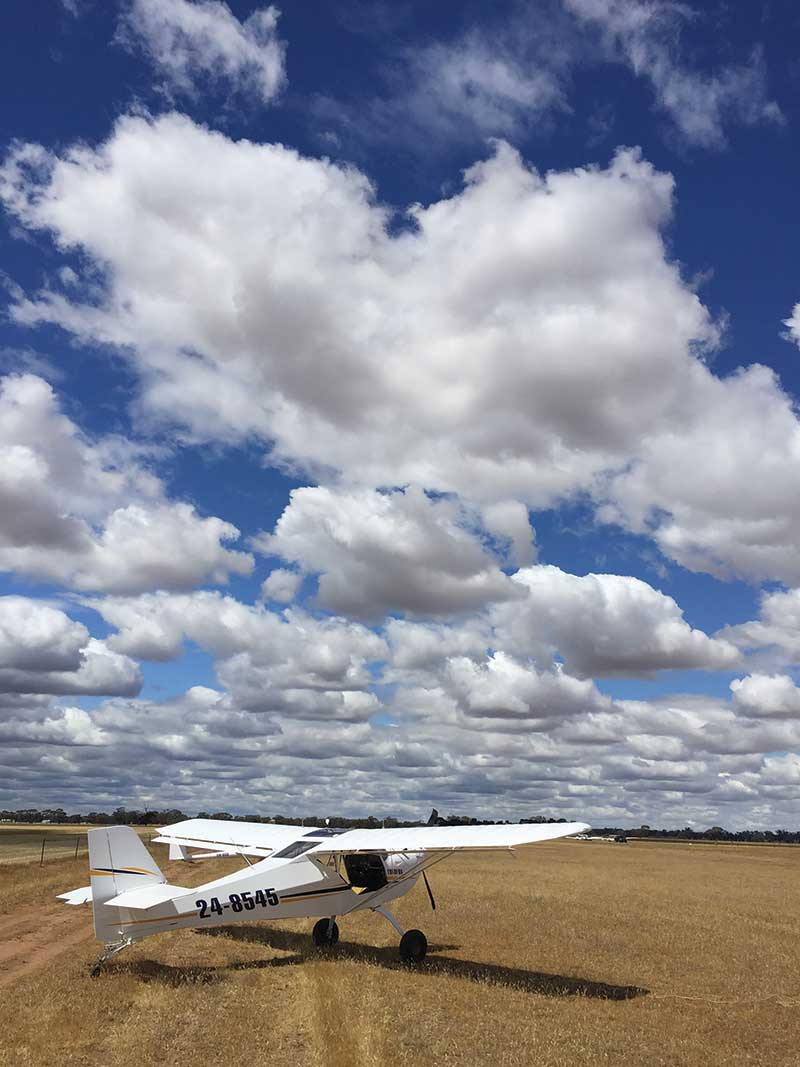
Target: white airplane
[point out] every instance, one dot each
(300, 872)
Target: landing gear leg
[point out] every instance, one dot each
(413, 943)
(110, 950)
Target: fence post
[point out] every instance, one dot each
(41, 860)
(77, 842)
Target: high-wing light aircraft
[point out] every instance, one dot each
(300, 872)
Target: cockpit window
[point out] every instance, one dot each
(297, 848)
(326, 831)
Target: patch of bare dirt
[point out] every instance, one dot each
(29, 940)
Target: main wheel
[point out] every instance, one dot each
(413, 946)
(325, 933)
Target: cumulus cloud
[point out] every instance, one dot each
(766, 695)
(36, 636)
(777, 629)
(281, 585)
(393, 551)
(644, 35)
(493, 377)
(290, 662)
(495, 735)
(101, 672)
(604, 624)
(190, 43)
(154, 626)
(715, 490)
(560, 355)
(88, 513)
(43, 650)
(501, 688)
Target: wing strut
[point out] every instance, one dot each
(430, 891)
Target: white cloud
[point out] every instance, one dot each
(501, 688)
(288, 663)
(101, 672)
(767, 696)
(513, 76)
(561, 355)
(36, 636)
(716, 489)
(776, 630)
(493, 378)
(496, 738)
(418, 649)
(481, 84)
(509, 521)
(168, 546)
(793, 324)
(43, 650)
(383, 552)
(88, 513)
(604, 624)
(55, 726)
(644, 34)
(154, 626)
(281, 585)
(193, 42)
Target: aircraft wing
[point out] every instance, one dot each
(445, 838)
(232, 838)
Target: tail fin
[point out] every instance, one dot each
(118, 861)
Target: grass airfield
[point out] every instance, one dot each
(568, 953)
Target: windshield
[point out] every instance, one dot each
(297, 848)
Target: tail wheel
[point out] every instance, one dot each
(325, 933)
(413, 946)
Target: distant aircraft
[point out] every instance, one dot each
(300, 872)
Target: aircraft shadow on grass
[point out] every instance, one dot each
(538, 982)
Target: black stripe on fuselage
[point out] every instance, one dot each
(123, 870)
(316, 892)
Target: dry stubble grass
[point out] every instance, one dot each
(572, 953)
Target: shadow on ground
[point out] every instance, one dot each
(538, 982)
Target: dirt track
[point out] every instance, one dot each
(29, 940)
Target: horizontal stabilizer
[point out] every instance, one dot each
(146, 897)
(77, 896)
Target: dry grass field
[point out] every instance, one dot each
(572, 953)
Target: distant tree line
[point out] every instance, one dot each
(165, 816)
(713, 833)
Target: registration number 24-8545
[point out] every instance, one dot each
(244, 901)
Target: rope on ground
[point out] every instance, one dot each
(784, 1002)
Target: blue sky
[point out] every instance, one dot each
(400, 398)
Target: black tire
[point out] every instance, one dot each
(413, 946)
(95, 971)
(325, 933)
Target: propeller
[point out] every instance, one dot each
(430, 893)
